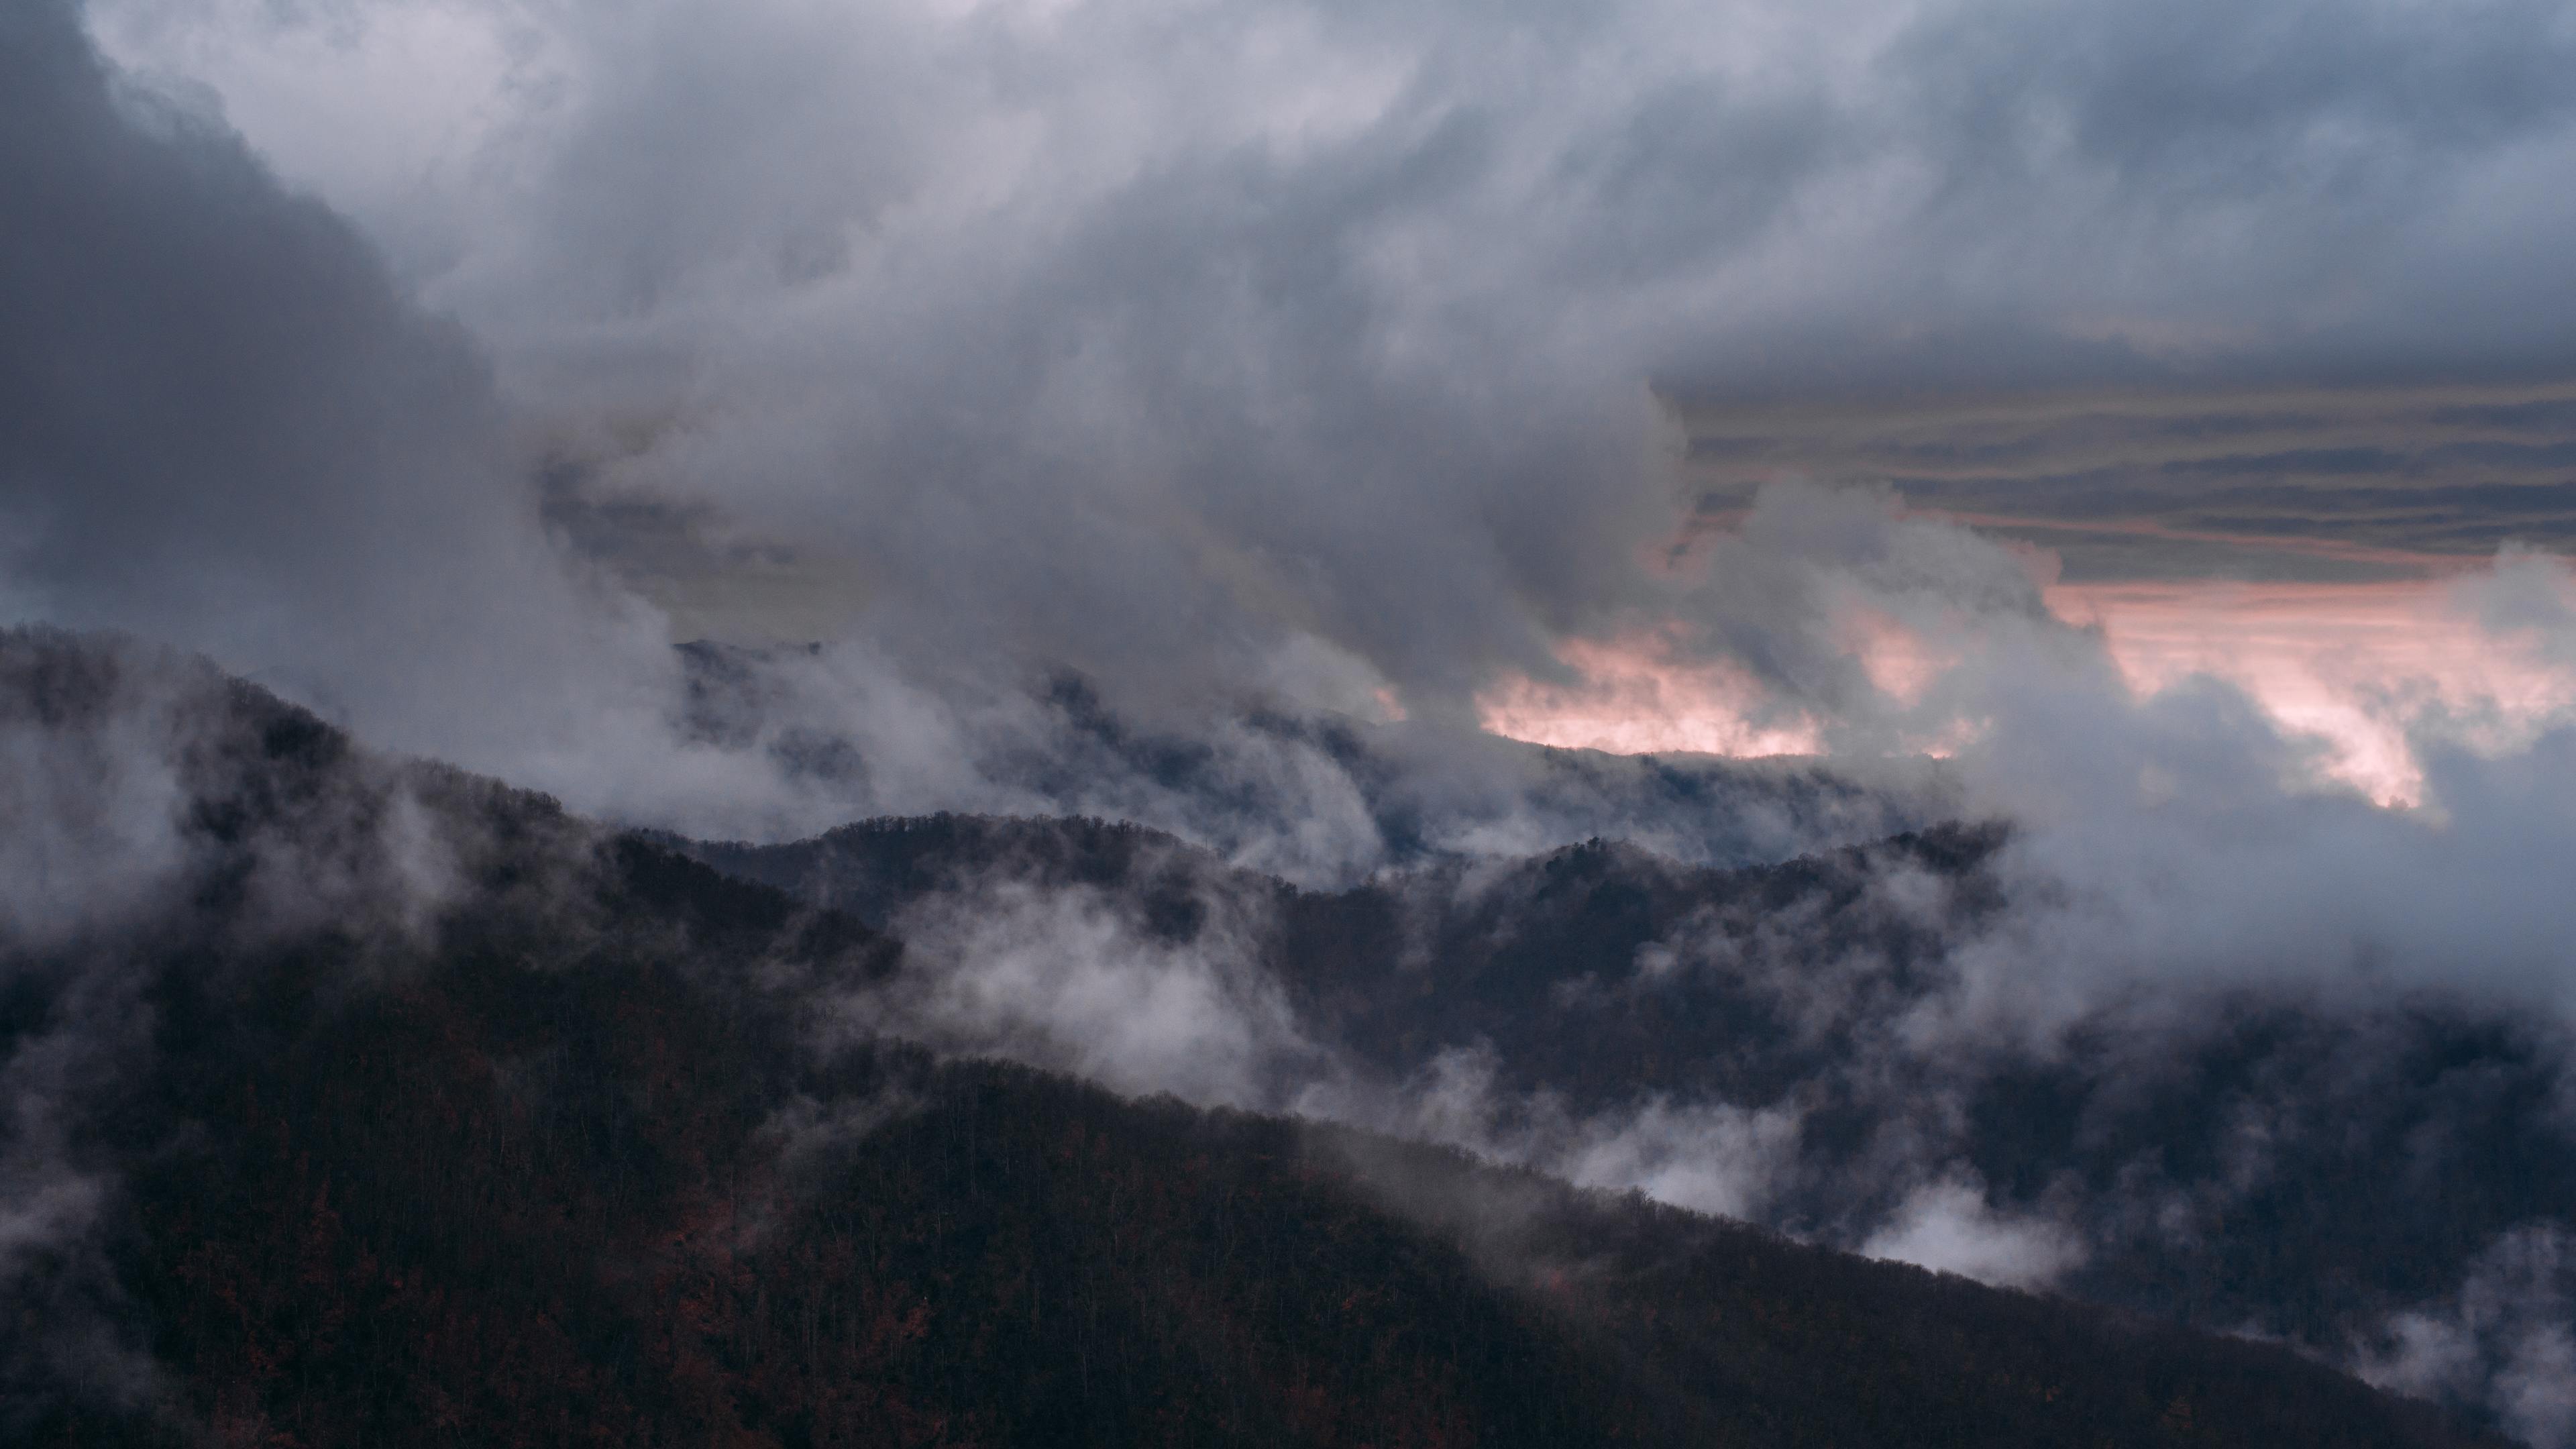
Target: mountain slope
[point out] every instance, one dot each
(385, 1105)
(2386, 1178)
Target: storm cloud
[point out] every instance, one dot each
(1106, 393)
(1313, 353)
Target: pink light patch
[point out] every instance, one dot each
(2350, 663)
(2353, 665)
(1899, 661)
(1634, 698)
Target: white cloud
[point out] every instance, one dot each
(1948, 1225)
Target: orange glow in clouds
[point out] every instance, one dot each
(2347, 664)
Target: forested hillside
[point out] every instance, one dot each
(394, 1106)
(2278, 1160)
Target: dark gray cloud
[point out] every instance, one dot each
(1184, 430)
(1276, 355)
(1302, 352)
(1151, 342)
(1316, 366)
(228, 426)
(1263, 355)
(222, 423)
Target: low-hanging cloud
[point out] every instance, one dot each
(1949, 1226)
(304, 474)
(1064, 980)
(146, 813)
(2505, 1340)
(1262, 350)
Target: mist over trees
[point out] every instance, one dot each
(425, 1111)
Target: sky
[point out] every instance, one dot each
(1409, 359)
(1749, 378)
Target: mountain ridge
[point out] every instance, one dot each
(550, 1135)
(2337, 1174)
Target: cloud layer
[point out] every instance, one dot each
(1310, 353)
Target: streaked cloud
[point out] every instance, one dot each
(2312, 484)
